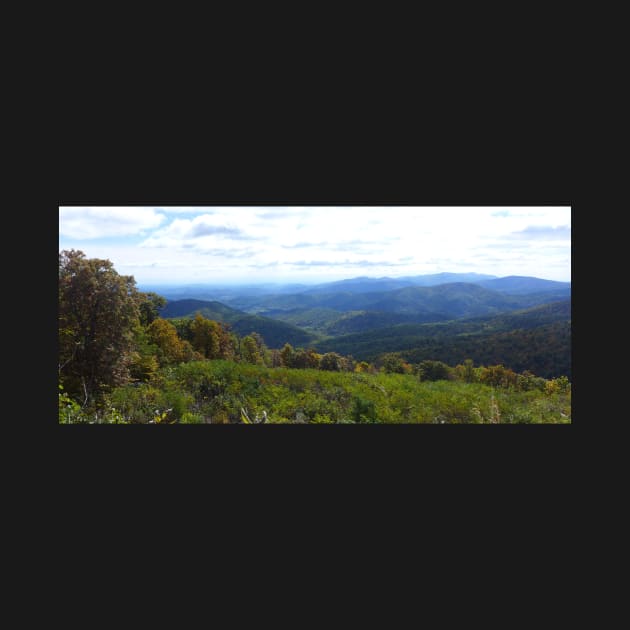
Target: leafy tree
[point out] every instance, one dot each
(287, 355)
(346, 364)
(170, 347)
(276, 359)
(149, 305)
(143, 367)
(469, 372)
(205, 337)
(498, 376)
(433, 370)
(144, 363)
(263, 351)
(395, 364)
(98, 313)
(300, 359)
(560, 384)
(331, 361)
(228, 341)
(313, 359)
(250, 352)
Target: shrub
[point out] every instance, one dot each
(433, 370)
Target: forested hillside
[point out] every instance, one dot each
(537, 339)
(274, 332)
(451, 300)
(122, 361)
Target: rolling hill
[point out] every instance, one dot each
(416, 303)
(275, 333)
(538, 339)
(521, 285)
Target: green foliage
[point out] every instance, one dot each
(287, 355)
(98, 314)
(556, 385)
(191, 418)
(322, 418)
(331, 361)
(498, 376)
(433, 370)
(215, 391)
(170, 348)
(149, 305)
(537, 339)
(69, 410)
(143, 367)
(251, 352)
(275, 333)
(393, 364)
(363, 411)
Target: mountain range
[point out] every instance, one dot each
(440, 314)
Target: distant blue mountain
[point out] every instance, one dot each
(521, 285)
(370, 285)
(431, 280)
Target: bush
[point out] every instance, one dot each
(433, 371)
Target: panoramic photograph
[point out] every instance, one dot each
(314, 315)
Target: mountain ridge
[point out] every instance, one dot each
(275, 332)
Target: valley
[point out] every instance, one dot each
(523, 323)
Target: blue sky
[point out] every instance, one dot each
(170, 245)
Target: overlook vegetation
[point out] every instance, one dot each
(132, 357)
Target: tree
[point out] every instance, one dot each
(263, 351)
(149, 305)
(346, 364)
(276, 359)
(287, 355)
(313, 359)
(206, 337)
(250, 352)
(228, 342)
(98, 313)
(469, 372)
(144, 363)
(330, 361)
(433, 370)
(300, 359)
(394, 364)
(164, 335)
(498, 376)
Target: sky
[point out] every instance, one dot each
(261, 244)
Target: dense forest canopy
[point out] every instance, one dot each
(128, 356)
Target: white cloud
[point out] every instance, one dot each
(262, 243)
(102, 222)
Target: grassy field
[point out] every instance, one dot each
(215, 392)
